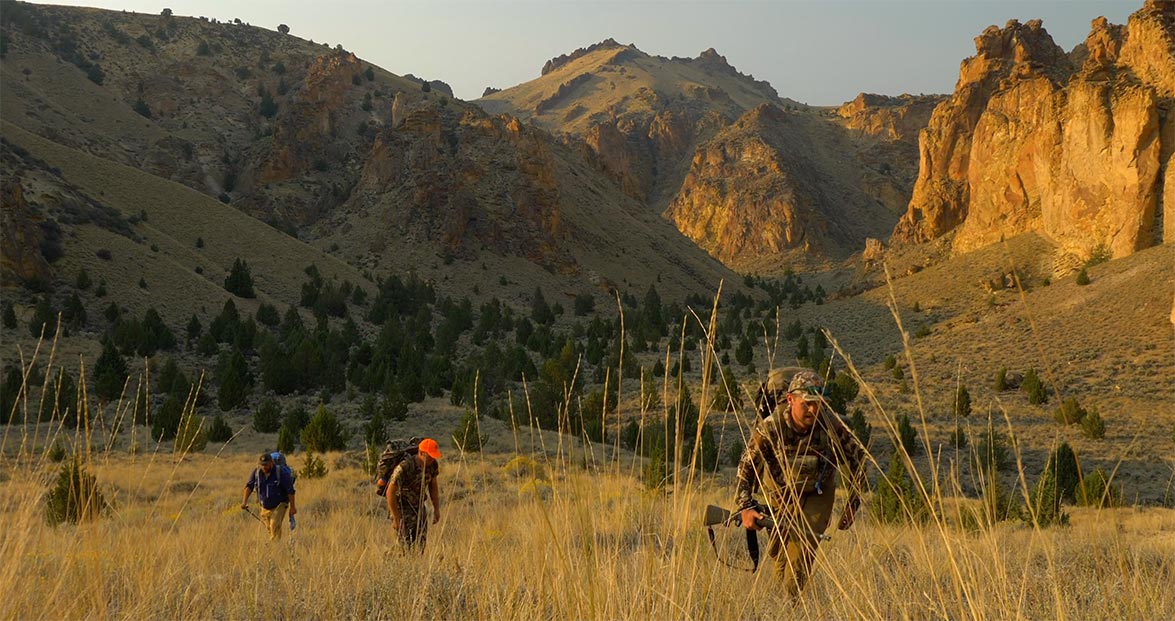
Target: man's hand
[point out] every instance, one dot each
(293, 510)
(436, 516)
(245, 506)
(749, 517)
(849, 514)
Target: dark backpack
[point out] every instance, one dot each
(394, 453)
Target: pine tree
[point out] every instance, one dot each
(962, 401)
(9, 316)
(110, 372)
(268, 417)
(908, 435)
(540, 312)
(324, 432)
(239, 282)
(44, 319)
(235, 382)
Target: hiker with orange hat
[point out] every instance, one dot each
(410, 481)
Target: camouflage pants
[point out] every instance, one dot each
(803, 520)
(413, 527)
(273, 518)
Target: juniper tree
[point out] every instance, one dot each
(239, 281)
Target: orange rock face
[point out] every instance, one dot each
(1077, 147)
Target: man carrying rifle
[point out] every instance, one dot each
(793, 456)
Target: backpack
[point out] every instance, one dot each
(394, 453)
(279, 461)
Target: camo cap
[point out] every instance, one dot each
(807, 385)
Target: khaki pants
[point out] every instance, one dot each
(273, 518)
(793, 543)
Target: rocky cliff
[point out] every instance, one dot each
(1076, 146)
(891, 118)
(776, 189)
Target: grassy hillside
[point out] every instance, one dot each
(171, 218)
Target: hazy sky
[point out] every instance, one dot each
(817, 52)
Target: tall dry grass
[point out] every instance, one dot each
(568, 531)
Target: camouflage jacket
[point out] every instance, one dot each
(412, 483)
(783, 460)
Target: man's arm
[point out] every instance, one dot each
(390, 494)
(290, 492)
(435, 494)
(249, 489)
(851, 454)
(750, 473)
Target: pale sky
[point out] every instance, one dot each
(817, 52)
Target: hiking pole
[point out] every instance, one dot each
(255, 516)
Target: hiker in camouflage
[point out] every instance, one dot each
(405, 493)
(793, 456)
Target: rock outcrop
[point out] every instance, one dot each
(1076, 146)
(301, 133)
(890, 118)
(775, 189)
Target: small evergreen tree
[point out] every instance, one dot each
(962, 401)
(540, 311)
(1092, 425)
(10, 322)
(1063, 463)
(1034, 388)
(267, 107)
(44, 321)
(194, 328)
(168, 418)
(862, 429)
(708, 453)
(744, 353)
(898, 499)
(1097, 491)
(74, 497)
(315, 467)
(1070, 412)
(466, 437)
(239, 281)
(191, 436)
(1082, 277)
(219, 431)
(1001, 380)
(142, 108)
(1046, 502)
(908, 435)
(267, 417)
(959, 437)
(285, 440)
(236, 383)
(653, 472)
(324, 432)
(992, 453)
(110, 372)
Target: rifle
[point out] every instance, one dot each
(717, 516)
(850, 512)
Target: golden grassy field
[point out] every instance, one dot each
(541, 526)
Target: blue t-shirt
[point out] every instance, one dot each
(272, 489)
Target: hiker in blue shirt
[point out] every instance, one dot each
(275, 491)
